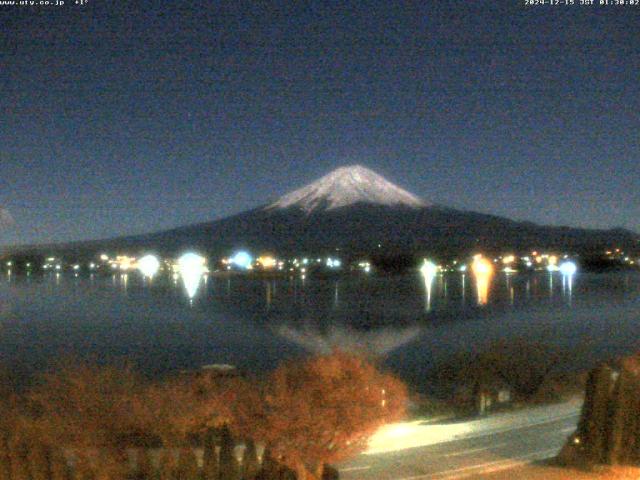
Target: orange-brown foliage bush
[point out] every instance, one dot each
(324, 409)
(309, 412)
(86, 411)
(173, 411)
(84, 406)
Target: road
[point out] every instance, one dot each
(492, 444)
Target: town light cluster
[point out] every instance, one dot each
(192, 267)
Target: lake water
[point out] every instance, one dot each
(253, 323)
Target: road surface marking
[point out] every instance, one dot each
(568, 429)
(507, 465)
(474, 450)
(496, 465)
(355, 469)
(490, 432)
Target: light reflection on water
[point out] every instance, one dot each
(483, 273)
(428, 286)
(567, 287)
(375, 343)
(254, 322)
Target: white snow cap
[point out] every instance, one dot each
(347, 186)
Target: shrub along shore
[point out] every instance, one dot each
(90, 422)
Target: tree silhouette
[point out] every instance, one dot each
(39, 459)
(144, 466)
(210, 457)
(521, 364)
(250, 465)
(187, 465)
(167, 465)
(609, 427)
(229, 468)
(269, 469)
(5, 460)
(60, 469)
(19, 462)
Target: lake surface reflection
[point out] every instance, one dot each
(253, 323)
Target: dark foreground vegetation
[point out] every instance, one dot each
(83, 422)
(606, 444)
(501, 375)
(609, 428)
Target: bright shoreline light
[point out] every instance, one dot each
(482, 270)
(267, 261)
(149, 265)
(481, 266)
(242, 259)
(192, 268)
(429, 269)
(568, 268)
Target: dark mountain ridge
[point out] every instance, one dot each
(360, 229)
(356, 212)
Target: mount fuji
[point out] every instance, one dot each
(348, 186)
(355, 211)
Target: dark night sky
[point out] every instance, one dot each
(123, 117)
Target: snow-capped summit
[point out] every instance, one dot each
(348, 186)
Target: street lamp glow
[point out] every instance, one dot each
(509, 259)
(242, 259)
(568, 268)
(191, 268)
(481, 266)
(149, 265)
(267, 261)
(333, 262)
(429, 269)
